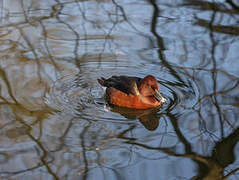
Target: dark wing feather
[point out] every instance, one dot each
(125, 84)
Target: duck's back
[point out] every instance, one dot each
(125, 84)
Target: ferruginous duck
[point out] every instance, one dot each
(133, 92)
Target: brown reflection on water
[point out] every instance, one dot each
(44, 41)
(148, 117)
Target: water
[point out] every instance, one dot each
(55, 122)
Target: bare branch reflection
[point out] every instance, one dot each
(54, 122)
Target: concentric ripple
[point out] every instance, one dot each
(70, 94)
(82, 96)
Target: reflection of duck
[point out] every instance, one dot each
(147, 117)
(133, 92)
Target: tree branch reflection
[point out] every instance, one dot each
(41, 43)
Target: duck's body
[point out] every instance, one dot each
(132, 92)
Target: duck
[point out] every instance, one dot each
(132, 92)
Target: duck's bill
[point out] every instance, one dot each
(159, 97)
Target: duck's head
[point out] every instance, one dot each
(148, 86)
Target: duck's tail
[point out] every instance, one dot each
(101, 81)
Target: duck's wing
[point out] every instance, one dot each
(126, 84)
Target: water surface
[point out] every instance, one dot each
(55, 122)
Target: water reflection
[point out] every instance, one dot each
(210, 167)
(54, 122)
(148, 118)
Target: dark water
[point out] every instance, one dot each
(54, 121)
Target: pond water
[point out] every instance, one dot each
(55, 122)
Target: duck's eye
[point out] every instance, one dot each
(153, 87)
